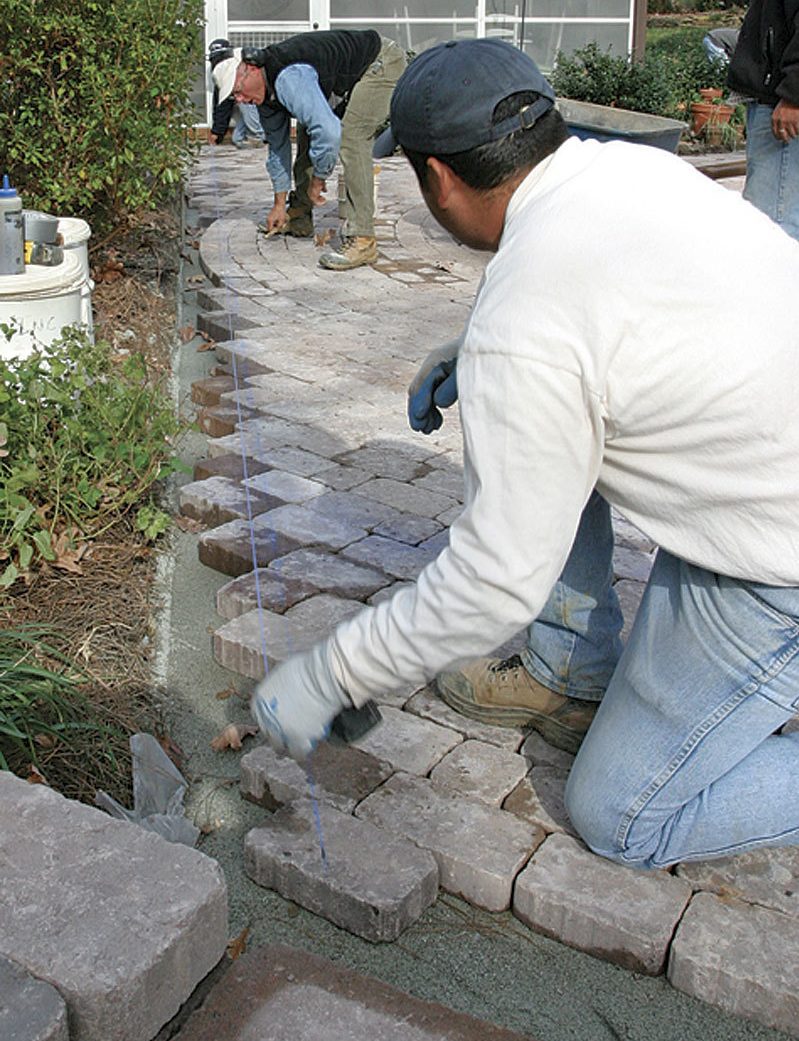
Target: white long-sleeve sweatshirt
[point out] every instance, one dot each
(636, 332)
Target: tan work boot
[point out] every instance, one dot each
(354, 252)
(504, 693)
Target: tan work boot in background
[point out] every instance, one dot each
(504, 693)
(354, 252)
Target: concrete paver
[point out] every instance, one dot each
(480, 771)
(369, 882)
(123, 923)
(276, 993)
(740, 957)
(479, 850)
(586, 901)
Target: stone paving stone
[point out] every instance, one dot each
(329, 573)
(280, 994)
(298, 461)
(613, 912)
(222, 325)
(241, 643)
(632, 564)
(210, 389)
(408, 742)
(123, 923)
(286, 486)
(625, 533)
(630, 594)
(408, 527)
(448, 517)
(769, 877)
(217, 500)
(372, 882)
(320, 614)
(342, 478)
(309, 527)
(539, 752)
(30, 1009)
(740, 958)
(479, 850)
(352, 507)
(337, 773)
(229, 548)
(231, 466)
(384, 462)
(241, 595)
(539, 800)
(406, 497)
(253, 444)
(436, 544)
(480, 771)
(427, 704)
(395, 558)
(388, 592)
(443, 482)
(221, 420)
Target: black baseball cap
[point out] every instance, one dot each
(444, 101)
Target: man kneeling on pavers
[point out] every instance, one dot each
(337, 84)
(598, 367)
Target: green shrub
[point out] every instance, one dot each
(661, 84)
(84, 436)
(94, 102)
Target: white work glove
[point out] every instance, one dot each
(433, 387)
(296, 703)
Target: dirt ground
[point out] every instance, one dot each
(102, 611)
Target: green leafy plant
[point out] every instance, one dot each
(84, 437)
(662, 83)
(42, 709)
(95, 101)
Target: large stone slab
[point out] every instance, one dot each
(613, 912)
(480, 850)
(769, 877)
(30, 1009)
(339, 774)
(741, 958)
(123, 923)
(278, 994)
(407, 742)
(369, 881)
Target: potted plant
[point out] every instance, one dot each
(709, 112)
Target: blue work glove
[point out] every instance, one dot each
(297, 702)
(434, 387)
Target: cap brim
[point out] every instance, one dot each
(385, 144)
(225, 76)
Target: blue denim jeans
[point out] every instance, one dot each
(683, 760)
(248, 123)
(772, 170)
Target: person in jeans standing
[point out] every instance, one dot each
(337, 85)
(765, 68)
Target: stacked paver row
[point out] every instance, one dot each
(309, 440)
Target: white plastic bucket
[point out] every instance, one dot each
(76, 234)
(40, 303)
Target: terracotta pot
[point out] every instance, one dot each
(708, 93)
(706, 112)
